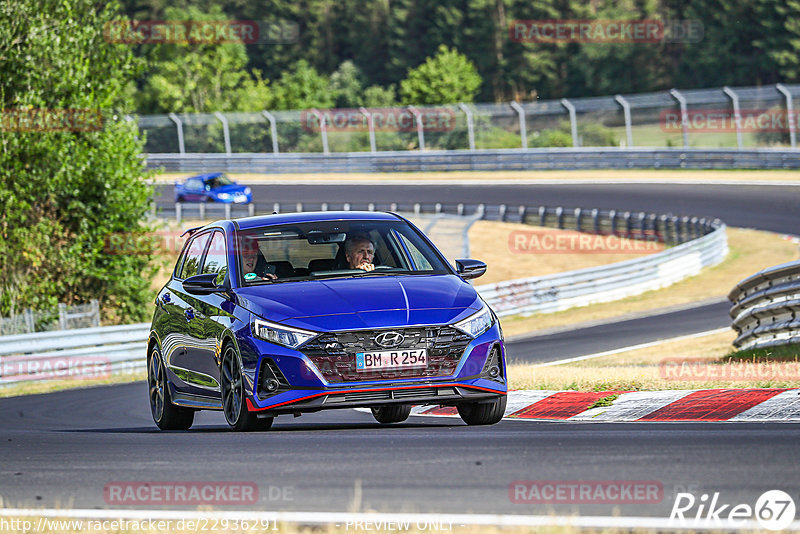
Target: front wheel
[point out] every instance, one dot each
(166, 415)
(483, 413)
(233, 396)
(392, 414)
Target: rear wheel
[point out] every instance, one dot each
(483, 413)
(166, 415)
(392, 414)
(234, 395)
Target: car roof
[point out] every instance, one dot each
(205, 177)
(314, 216)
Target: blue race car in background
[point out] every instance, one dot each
(301, 312)
(212, 187)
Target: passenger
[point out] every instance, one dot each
(359, 252)
(252, 268)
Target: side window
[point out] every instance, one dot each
(216, 258)
(193, 254)
(420, 261)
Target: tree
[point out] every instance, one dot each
(302, 87)
(69, 187)
(446, 78)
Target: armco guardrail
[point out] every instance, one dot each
(78, 353)
(766, 307)
(480, 160)
(610, 282)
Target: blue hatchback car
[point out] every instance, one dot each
(212, 187)
(300, 312)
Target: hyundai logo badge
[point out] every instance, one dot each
(388, 340)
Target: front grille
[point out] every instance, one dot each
(334, 353)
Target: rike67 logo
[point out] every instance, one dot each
(773, 510)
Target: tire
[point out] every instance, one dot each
(166, 415)
(392, 414)
(233, 396)
(483, 413)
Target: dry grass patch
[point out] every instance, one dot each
(513, 250)
(750, 251)
(691, 363)
(50, 386)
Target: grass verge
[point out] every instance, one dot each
(750, 251)
(50, 386)
(693, 363)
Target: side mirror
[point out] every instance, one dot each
(202, 284)
(469, 269)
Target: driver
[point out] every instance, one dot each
(250, 265)
(359, 252)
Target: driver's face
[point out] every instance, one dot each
(362, 252)
(249, 257)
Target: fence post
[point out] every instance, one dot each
(789, 113)
(470, 125)
(523, 129)
(737, 115)
(573, 122)
(420, 130)
(29, 321)
(226, 133)
(179, 127)
(227, 211)
(322, 129)
(62, 316)
(251, 209)
(373, 147)
(273, 130)
(626, 110)
(178, 209)
(684, 115)
(95, 312)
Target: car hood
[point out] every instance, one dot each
(368, 302)
(232, 188)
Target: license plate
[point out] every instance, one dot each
(391, 359)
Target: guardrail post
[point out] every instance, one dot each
(179, 127)
(202, 211)
(578, 215)
(522, 214)
(273, 130)
(481, 211)
(393, 206)
(323, 206)
(612, 218)
(662, 224)
(226, 133)
(523, 129)
(789, 114)
(346, 206)
(373, 147)
(227, 211)
(642, 225)
(626, 110)
(276, 207)
(573, 122)
(502, 215)
(560, 217)
(470, 125)
(437, 208)
(370, 207)
(323, 129)
(628, 224)
(684, 115)
(460, 209)
(420, 130)
(737, 115)
(251, 209)
(178, 209)
(542, 216)
(596, 220)
(299, 207)
(416, 208)
(695, 228)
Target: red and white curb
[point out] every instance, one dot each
(746, 405)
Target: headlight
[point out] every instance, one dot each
(224, 196)
(477, 323)
(282, 335)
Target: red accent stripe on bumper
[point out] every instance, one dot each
(711, 405)
(563, 405)
(253, 408)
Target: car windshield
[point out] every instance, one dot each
(220, 181)
(334, 249)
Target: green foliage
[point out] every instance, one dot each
(346, 86)
(302, 87)
(446, 78)
(64, 192)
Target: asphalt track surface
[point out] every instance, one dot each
(62, 449)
